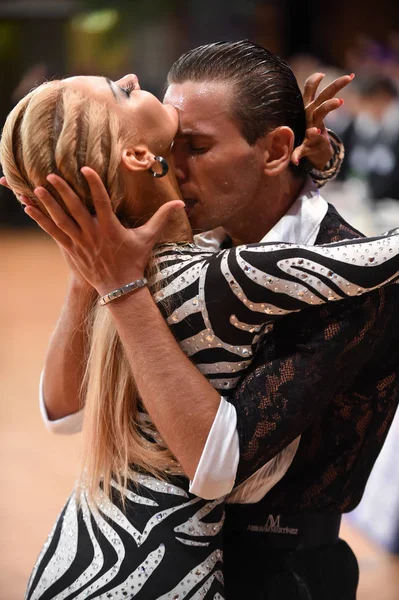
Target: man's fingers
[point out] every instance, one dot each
(47, 225)
(74, 204)
(153, 228)
(57, 214)
(101, 199)
(310, 88)
(333, 88)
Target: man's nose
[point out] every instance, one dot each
(179, 163)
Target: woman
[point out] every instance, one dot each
(133, 529)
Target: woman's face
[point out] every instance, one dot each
(149, 121)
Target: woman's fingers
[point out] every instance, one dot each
(25, 201)
(101, 199)
(320, 113)
(311, 145)
(311, 142)
(3, 181)
(74, 204)
(310, 88)
(333, 88)
(153, 228)
(57, 214)
(299, 153)
(48, 225)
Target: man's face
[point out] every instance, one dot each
(218, 172)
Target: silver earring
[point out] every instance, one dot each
(164, 165)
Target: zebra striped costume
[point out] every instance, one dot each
(167, 543)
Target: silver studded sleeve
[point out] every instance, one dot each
(220, 305)
(331, 375)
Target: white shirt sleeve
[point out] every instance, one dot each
(66, 425)
(256, 487)
(217, 468)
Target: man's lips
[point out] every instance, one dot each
(190, 203)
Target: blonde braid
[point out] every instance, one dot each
(11, 151)
(71, 143)
(56, 129)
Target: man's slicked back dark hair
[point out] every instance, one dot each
(265, 92)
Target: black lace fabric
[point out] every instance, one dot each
(330, 374)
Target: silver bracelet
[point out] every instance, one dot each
(122, 291)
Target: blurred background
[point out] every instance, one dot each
(44, 39)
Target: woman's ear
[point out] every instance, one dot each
(278, 149)
(137, 158)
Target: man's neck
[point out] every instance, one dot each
(266, 210)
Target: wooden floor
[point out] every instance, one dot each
(38, 469)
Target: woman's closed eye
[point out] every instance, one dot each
(128, 88)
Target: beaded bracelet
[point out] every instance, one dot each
(331, 170)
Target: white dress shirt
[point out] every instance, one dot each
(217, 468)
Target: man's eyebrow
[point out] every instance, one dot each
(192, 133)
(111, 87)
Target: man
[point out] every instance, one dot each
(329, 375)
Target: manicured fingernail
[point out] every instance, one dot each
(318, 131)
(352, 75)
(341, 101)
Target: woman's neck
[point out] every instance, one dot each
(151, 193)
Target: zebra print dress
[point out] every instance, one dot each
(167, 544)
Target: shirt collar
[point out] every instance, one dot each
(301, 223)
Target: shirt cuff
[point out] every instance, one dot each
(217, 468)
(66, 425)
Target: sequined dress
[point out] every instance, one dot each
(167, 543)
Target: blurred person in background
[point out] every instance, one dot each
(366, 189)
(275, 160)
(372, 144)
(372, 138)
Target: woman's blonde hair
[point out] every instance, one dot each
(58, 130)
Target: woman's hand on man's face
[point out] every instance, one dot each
(100, 248)
(316, 145)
